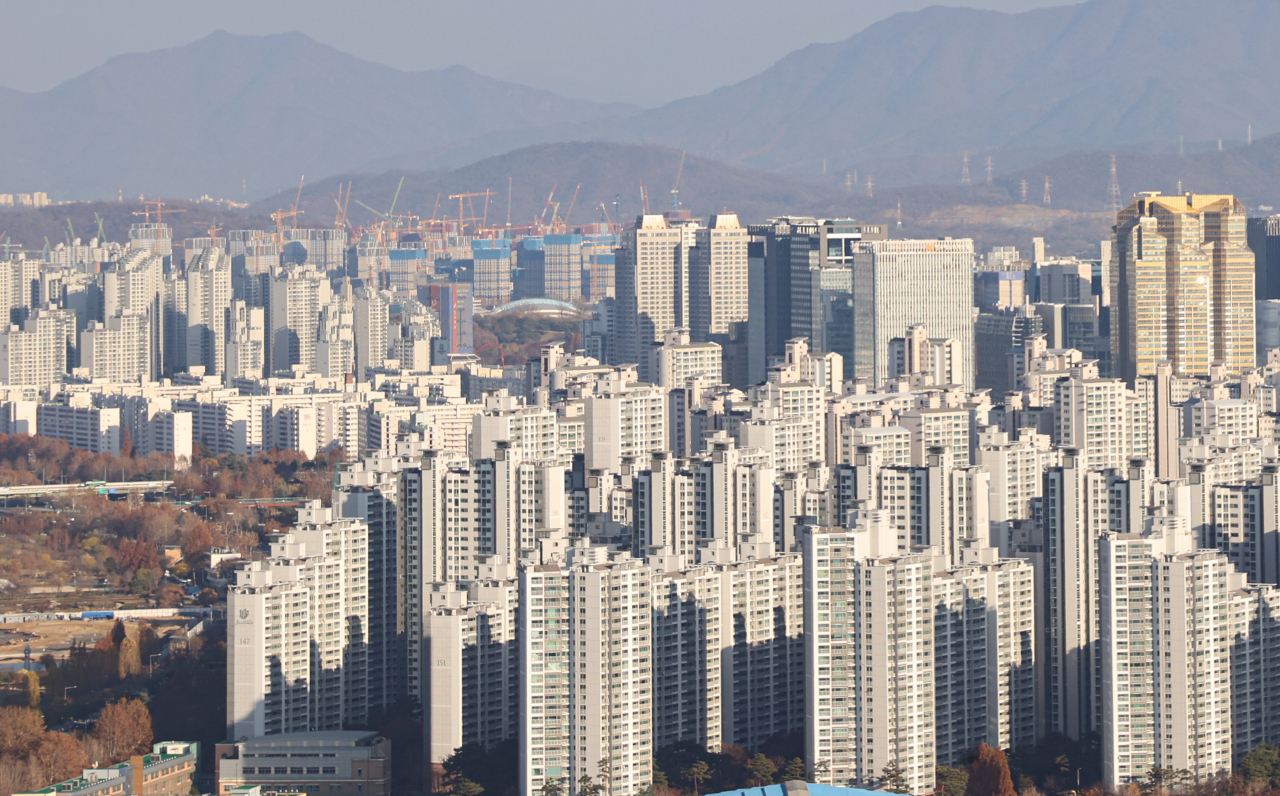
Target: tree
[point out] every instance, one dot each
(989, 775)
(552, 787)
(794, 770)
(207, 597)
(128, 659)
(465, 787)
(59, 756)
(33, 689)
(1262, 763)
(144, 580)
(951, 781)
(20, 730)
(892, 779)
(169, 596)
(588, 787)
(697, 774)
(198, 541)
(761, 769)
(1158, 779)
(124, 729)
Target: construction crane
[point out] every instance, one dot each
(675, 190)
(461, 215)
(501, 354)
(340, 220)
(102, 235)
(298, 199)
(564, 221)
(550, 196)
(71, 238)
(146, 210)
(644, 198)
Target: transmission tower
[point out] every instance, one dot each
(1046, 191)
(988, 169)
(848, 183)
(1024, 191)
(871, 185)
(964, 175)
(1113, 190)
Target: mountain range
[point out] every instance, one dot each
(244, 116)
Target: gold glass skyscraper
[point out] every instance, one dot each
(1181, 286)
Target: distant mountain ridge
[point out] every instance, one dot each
(244, 116)
(1102, 73)
(229, 113)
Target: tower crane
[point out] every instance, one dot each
(547, 206)
(564, 221)
(675, 189)
(159, 211)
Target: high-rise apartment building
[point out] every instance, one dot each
(651, 282)
(1182, 286)
(588, 709)
(137, 283)
(298, 294)
(718, 284)
(118, 349)
(869, 650)
(491, 275)
(208, 310)
(372, 315)
(295, 637)
(246, 342)
(35, 353)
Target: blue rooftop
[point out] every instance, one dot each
(797, 788)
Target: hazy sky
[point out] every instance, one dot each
(642, 52)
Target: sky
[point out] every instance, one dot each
(643, 53)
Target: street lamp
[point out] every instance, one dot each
(151, 664)
(65, 689)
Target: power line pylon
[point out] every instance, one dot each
(1113, 190)
(1047, 184)
(989, 169)
(964, 174)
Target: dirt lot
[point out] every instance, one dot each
(55, 637)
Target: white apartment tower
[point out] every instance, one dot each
(208, 309)
(718, 278)
(651, 282)
(295, 652)
(588, 704)
(119, 349)
(869, 676)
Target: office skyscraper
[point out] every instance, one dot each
(899, 283)
(1182, 286)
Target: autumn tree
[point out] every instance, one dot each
(989, 774)
(33, 689)
(169, 596)
(20, 731)
(124, 729)
(198, 541)
(128, 659)
(465, 787)
(207, 597)
(58, 756)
